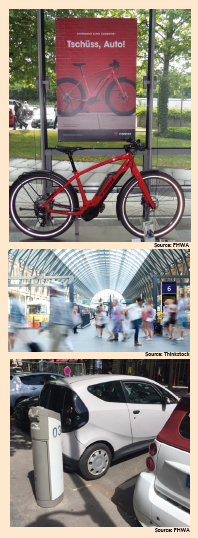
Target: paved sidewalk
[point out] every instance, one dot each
(82, 506)
(85, 340)
(106, 225)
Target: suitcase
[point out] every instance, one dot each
(157, 328)
(34, 346)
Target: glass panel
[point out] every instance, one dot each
(172, 97)
(141, 393)
(109, 392)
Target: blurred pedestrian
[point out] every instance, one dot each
(135, 314)
(172, 312)
(25, 109)
(180, 317)
(166, 316)
(149, 318)
(60, 319)
(143, 324)
(75, 319)
(117, 316)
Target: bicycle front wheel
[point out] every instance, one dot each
(168, 198)
(70, 96)
(27, 195)
(121, 98)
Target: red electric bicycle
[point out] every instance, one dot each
(44, 204)
(119, 95)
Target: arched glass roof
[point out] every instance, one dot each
(124, 270)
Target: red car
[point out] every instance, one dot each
(11, 116)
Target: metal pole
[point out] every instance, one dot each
(71, 292)
(155, 292)
(149, 118)
(149, 115)
(42, 91)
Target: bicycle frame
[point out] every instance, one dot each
(99, 86)
(108, 186)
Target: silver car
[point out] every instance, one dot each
(24, 385)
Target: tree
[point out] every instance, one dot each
(172, 47)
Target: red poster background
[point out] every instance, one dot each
(96, 43)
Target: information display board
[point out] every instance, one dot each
(96, 78)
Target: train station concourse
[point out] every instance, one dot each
(95, 300)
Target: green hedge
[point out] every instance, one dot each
(173, 113)
(176, 132)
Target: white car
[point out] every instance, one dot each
(50, 116)
(106, 417)
(162, 492)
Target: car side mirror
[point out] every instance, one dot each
(164, 399)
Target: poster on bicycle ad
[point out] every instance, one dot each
(96, 78)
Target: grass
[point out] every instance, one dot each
(26, 145)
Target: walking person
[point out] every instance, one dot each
(75, 318)
(166, 317)
(173, 312)
(17, 323)
(180, 317)
(117, 316)
(25, 110)
(18, 116)
(102, 320)
(149, 318)
(143, 324)
(135, 314)
(60, 319)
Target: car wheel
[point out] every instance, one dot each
(19, 400)
(95, 461)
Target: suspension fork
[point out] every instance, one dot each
(147, 200)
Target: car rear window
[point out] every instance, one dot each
(55, 397)
(109, 392)
(184, 428)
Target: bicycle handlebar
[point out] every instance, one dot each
(134, 145)
(114, 64)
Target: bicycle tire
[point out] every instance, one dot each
(80, 94)
(110, 96)
(131, 189)
(21, 194)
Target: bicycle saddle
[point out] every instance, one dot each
(67, 149)
(79, 65)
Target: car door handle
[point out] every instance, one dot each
(33, 388)
(136, 412)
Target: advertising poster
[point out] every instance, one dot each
(96, 78)
(149, 234)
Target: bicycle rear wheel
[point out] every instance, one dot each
(121, 103)
(29, 192)
(70, 96)
(167, 196)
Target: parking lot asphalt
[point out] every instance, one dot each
(107, 502)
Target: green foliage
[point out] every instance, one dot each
(176, 132)
(173, 113)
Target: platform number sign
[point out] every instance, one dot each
(67, 370)
(169, 288)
